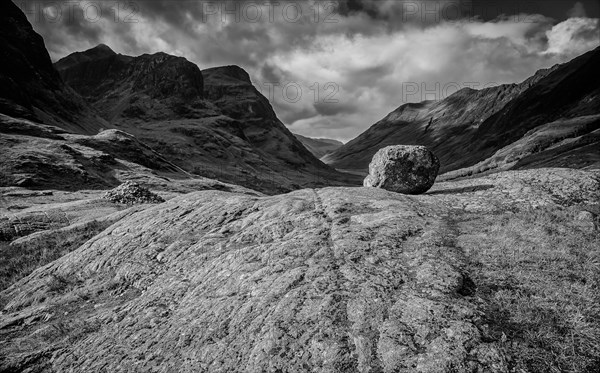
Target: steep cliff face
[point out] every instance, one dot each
(230, 88)
(29, 86)
(471, 125)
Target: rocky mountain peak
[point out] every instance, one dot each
(100, 50)
(146, 86)
(103, 47)
(231, 71)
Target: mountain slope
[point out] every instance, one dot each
(470, 126)
(38, 156)
(319, 147)
(30, 88)
(572, 142)
(212, 123)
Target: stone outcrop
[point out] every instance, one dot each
(131, 193)
(403, 169)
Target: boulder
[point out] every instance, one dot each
(130, 193)
(403, 169)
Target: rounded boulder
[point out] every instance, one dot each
(403, 169)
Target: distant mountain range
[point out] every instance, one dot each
(319, 147)
(550, 119)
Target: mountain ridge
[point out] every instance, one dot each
(470, 125)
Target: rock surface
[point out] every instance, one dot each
(132, 193)
(403, 169)
(314, 281)
(329, 280)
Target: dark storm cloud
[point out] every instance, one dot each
(372, 75)
(271, 73)
(349, 7)
(349, 58)
(332, 109)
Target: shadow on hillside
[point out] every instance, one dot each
(468, 189)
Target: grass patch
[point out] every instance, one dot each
(18, 261)
(539, 274)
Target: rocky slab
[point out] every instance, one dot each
(327, 280)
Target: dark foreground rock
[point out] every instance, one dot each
(403, 169)
(329, 280)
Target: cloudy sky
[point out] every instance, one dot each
(333, 68)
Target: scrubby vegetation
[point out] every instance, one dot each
(19, 260)
(538, 273)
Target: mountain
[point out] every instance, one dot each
(470, 126)
(212, 123)
(51, 138)
(30, 88)
(147, 87)
(319, 147)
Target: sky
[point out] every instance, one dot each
(333, 68)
